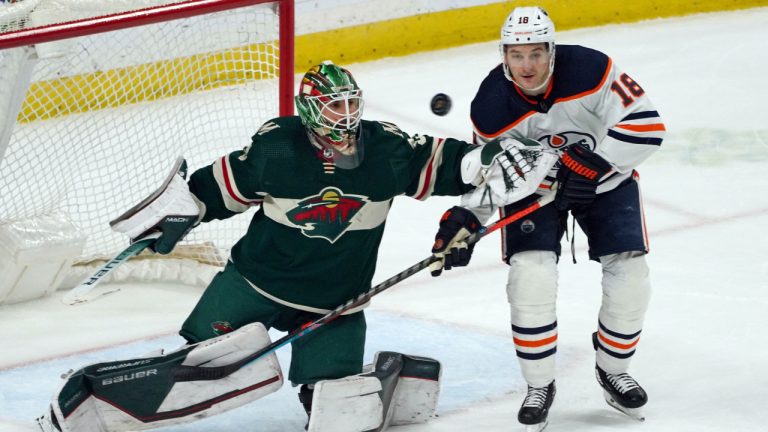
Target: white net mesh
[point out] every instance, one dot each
(105, 115)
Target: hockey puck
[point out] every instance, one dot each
(440, 104)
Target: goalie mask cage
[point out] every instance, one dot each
(99, 97)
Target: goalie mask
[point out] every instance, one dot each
(528, 25)
(330, 106)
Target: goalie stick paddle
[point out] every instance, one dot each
(84, 291)
(201, 373)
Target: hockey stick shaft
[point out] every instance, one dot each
(83, 292)
(196, 373)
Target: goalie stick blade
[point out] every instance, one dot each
(84, 294)
(84, 291)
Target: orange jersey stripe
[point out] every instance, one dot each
(535, 343)
(506, 128)
(643, 128)
(616, 344)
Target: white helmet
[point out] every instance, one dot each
(528, 25)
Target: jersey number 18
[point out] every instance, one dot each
(630, 85)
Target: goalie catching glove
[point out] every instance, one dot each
(504, 171)
(579, 176)
(171, 210)
(451, 247)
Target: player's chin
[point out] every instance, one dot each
(530, 82)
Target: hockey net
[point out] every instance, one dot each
(99, 97)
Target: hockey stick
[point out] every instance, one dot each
(198, 373)
(84, 291)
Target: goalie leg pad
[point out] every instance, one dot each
(143, 393)
(418, 388)
(397, 389)
(349, 404)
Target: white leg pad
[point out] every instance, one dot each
(397, 389)
(350, 404)
(142, 393)
(417, 392)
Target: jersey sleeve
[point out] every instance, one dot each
(435, 167)
(635, 129)
(230, 185)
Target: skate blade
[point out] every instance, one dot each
(538, 427)
(635, 413)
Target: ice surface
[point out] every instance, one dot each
(703, 354)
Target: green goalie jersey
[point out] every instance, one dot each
(313, 242)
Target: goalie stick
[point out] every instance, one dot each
(84, 291)
(198, 373)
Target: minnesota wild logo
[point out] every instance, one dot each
(326, 215)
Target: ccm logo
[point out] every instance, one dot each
(129, 377)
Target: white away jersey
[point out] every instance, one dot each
(589, 101)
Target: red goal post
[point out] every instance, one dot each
(99, 97)
(152, 15)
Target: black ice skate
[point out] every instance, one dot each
(533, 412)
(622, 392)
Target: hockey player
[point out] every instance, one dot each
(324, 182)
(577, 101)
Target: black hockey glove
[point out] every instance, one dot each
(578, 176)
(456, 224)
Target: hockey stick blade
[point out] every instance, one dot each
(198, 373)
(84, 291)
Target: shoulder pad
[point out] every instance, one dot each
(578, 70)
(495, 106)
(387, 128)
(277, 138)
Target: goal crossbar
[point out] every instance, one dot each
(157, 14)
